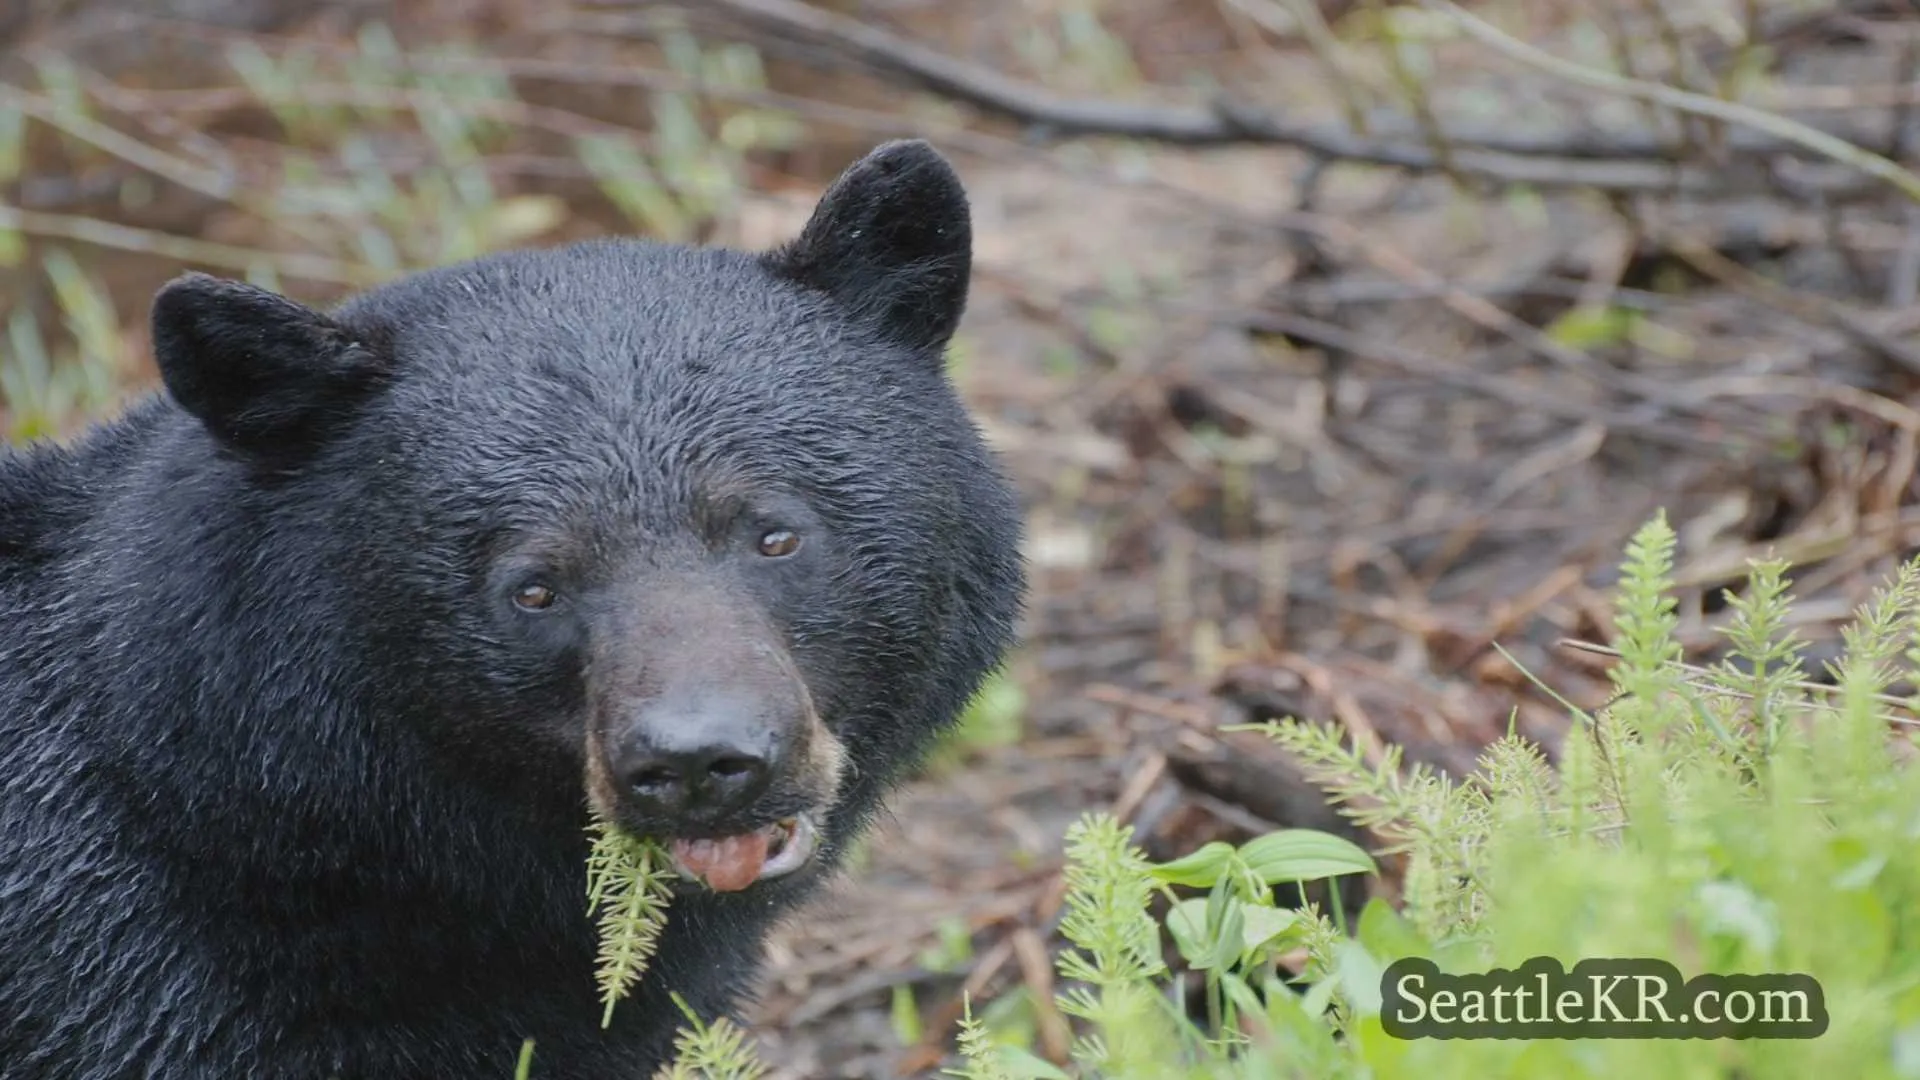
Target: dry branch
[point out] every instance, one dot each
(1627, 161)
(1787, 131)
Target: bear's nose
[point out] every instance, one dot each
(697, 757)
(709, 782)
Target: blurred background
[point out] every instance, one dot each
(1336, 345)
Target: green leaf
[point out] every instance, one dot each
(1358, 972)
(1199, 870)
(1261, 924)
(905, 1016)
(1387, 933)
(1187, 924)
(1318, 996)
(1215, 942)
(1591, 327)
(1021, 1064)
(1225, 927)
(1304, 855)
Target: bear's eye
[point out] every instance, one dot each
(779, 543)
(533, 596)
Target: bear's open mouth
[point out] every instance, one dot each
(732, 863)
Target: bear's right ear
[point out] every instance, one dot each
(264, 374)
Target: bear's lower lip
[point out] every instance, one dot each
(793, 845)
(730, 864)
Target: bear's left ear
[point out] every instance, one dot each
(891, 241)
(265, 375)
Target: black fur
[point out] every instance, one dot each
(285, 792)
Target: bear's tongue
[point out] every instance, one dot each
(729, 864)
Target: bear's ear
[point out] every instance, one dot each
(891, 241)
(264, 374)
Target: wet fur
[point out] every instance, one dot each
(281, 794)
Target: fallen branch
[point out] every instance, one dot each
(1787, 131)
(1632, 161)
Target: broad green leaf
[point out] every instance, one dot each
(1304, 855)
(1200, 869)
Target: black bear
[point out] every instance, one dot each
(314, 668)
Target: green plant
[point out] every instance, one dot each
(693, 170)
(629, 886)
(715, 1051)
(48, 382)
(1732, 819)
(387, 159)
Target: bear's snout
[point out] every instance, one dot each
(703, 733)
(695, 758)
(728, 764)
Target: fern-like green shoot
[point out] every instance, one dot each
(716, 1051)
(978, 1054)
(1645, 614)
(628, 887)
(1118, 954)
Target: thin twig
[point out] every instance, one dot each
(317, 268)
(1618, 161)
(1780, 127)
(209, 182)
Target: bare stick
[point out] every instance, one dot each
(1780, 127)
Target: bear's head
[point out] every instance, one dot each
(702, 540)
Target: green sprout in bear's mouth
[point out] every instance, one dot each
(629, 883)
